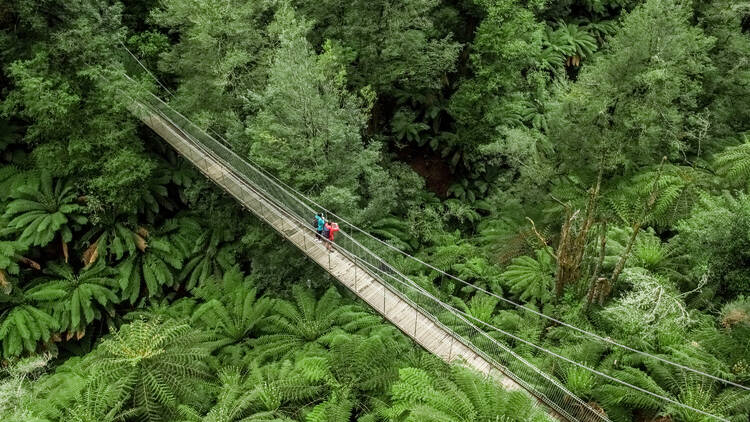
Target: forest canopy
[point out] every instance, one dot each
(563, 163)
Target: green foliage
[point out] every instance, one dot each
(405, 128)
(687, 388)
(24, 326)
(112, 239)
(568, 44)
(733, 164)
(159, 364)
(357, 366)
(27, 321)
(9, 251)
(579, 381)
(522, 101)
(398, 46)
(481, 307)
(100, 403)
(640, 100)
(652, 314)
(462, 396)
(396, 232)
(41, 209)
(715, 236)
(155, 267)
(154, 195)
(253, 397)
(531, 279)
(69, 93)
(306, 323)
(16, 387)
(505, 82)
(234, 311)
(675, 192)
(309, 123)
(213, 254)
(87, 294)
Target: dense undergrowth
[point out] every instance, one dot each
(598, 157)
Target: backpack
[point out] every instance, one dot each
(326, 232)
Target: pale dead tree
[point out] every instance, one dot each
(573, 236)
(599, 287)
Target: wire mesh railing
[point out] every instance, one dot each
(493, 346)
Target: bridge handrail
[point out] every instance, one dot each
(536, 381)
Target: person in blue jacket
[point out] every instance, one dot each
(321, 224)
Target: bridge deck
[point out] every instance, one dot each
(401, 313)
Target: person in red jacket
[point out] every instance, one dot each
(332, 229)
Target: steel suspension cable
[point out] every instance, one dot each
(463, 315)
(303, 198)
(493, 294)
(453, 309)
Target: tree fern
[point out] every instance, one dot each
(27, 322)
(100, 402)
(212, 254)
(337, 407)
(237, 310)
(396, 232)
(480, 306)
(9, 256)
(154, 195)
(114, 238)
(505, 238)
(259, 394)
(675, 192)
(42, 209)
(12, 177)
(531, 279)
(570, 43)
(479, 272)
(686, 388)
(579, 381)
(463, 396)
(733, 164)
(155, 267)
(355, 366)
(182, 232)
(159, 365)
(87, 294)
(304, 323)
(405, 127)
(56, 392)
(612, 396)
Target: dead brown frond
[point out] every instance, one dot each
(90, 254)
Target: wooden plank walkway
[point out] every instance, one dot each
(411, 320)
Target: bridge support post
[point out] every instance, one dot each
(416, 317)
(384, 299)
(355, 277)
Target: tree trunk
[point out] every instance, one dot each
(572, 246)
(5, 285)
(638, 225)
(598, 266)
(30, 262)
(64, 249)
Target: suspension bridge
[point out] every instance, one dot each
(439, 327)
